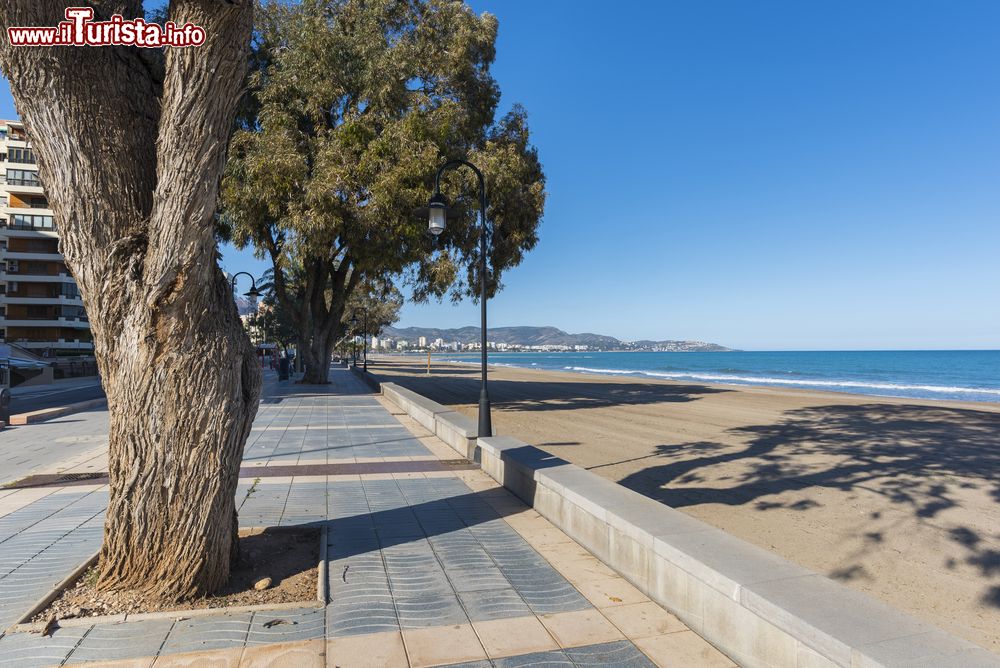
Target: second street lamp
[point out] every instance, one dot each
(437, 220)
(365, 334)
(252, 293)
(354, 341)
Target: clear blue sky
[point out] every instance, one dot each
(765, 175)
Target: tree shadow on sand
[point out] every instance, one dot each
(918, 457)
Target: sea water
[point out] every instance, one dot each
(964, 375)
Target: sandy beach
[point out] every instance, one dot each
(894, 497)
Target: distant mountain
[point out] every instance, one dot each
(679, 346)
(245, 306)
(541, 336)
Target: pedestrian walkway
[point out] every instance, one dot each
(433, 566)
(55, 445)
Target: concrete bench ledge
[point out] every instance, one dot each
(44, 414)
(757, 607)
(457, 430)
(420, 409)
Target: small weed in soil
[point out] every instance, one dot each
(287, 556)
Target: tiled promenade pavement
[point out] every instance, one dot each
(68, 441)
(426, 568)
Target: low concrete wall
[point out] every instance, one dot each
(755, 606)
(455, 429)
(367, 376)
(44, 414)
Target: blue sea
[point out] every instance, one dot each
(966, 375)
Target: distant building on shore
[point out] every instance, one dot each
(40, 306)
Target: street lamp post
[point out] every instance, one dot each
(365, 311)
(253, 293)
(354, 339)
(438, 206)
(364, 334)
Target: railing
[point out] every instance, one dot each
(24, 205)
(54, 295)
(13, 275)
(21, 182)
(46, 224)
(21, 156)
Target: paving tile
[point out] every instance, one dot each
(622, 653)
(361, 614)
(137, 662)
(580, 570)
(549, 595)
(366, 568)
(536, 660)
(583, 627)
(685, 648)
(642, 620)
(207, 633)
(122, 641)
(514, 636)
(442, 645)
(224, 658)
(604, 592)
(467, 580)
(377, 650)
(493, 604)
(302, 654)
(284, 626)
(429, 610)
(26, 650)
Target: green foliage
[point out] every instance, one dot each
(353, 104)
(375, 305)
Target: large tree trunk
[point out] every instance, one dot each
(321, 316)
(131, 147)
(317, 354)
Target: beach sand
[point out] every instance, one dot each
(897, 498)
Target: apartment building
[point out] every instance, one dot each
(40, 306)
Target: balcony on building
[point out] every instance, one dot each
(13, 132)
(22, 180)
(29, 248)
(45, 269)
(54, 338)
(26, 203)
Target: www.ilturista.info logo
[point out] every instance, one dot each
(79, 30)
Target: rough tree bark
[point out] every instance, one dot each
(325, 324)
(319, 312)
(131, 146)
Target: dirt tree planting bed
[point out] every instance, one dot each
(289, 557)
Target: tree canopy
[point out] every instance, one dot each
(353, 104)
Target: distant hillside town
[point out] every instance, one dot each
(522, 339)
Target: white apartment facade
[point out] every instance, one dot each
(40, 306)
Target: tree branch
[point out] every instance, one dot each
(192, 141)
(280, 283)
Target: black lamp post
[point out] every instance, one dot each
(364, 334)
(438, 206)
(354, 342)
(253, 293)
